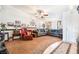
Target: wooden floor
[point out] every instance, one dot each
(35, 46)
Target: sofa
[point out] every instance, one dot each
(55, 32)
(41, 32)
(26, 34)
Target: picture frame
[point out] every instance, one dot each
(59, 24)
(10, 23)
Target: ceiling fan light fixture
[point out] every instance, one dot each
(45, 14)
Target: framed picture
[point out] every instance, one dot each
(59, 24)
(10, 23)
(32, 23)
(17, 23)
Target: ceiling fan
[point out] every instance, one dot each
(41, 14)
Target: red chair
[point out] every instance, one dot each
(25, 34)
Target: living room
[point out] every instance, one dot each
(38, 22)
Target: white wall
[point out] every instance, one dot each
(10, 14)
(70, 25)
(54, 23)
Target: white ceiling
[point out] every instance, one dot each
(53, 11)
(48, 8)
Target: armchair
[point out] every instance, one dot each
(41, 32)
(55, 32)
(26, 34)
